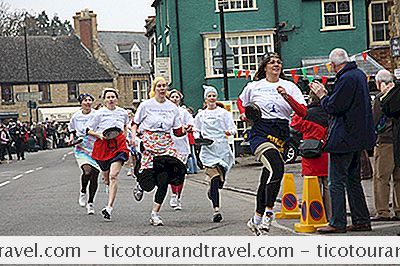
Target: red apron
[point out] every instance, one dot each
(104, 150)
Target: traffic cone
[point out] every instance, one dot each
(312, 207)
(290, 203)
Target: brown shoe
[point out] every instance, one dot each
(359, 227)
(331, 230)
(379, 218)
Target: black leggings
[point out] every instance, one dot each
(268, 188)
(162, 187)
(215, 186)
(90, 174)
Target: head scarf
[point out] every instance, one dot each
(208, 89)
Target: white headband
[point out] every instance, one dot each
(208, 89)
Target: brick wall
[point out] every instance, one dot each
(382, 55)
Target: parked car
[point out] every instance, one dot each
(291, 151)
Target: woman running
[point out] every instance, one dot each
(268, 133)
(83, 151)
(110, 152)
(156, 118)
(181, 144)
(216, 124)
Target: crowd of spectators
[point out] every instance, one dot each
(18, 137)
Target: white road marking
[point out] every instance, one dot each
(39, 168)
(18, 176)
(4, 183)
(29, 171)
(71, 152)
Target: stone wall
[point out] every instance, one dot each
(59, 97)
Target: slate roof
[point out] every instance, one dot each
(110, 40)
(370, 66)
(51, 59)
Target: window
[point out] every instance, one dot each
(45, 89)
(234, 5)
(337, 14)
(248, 48)
(135, 56)
(379, 22)
(130, 52)
(7, 94)
(140, 90)
(73, 92)
(144, 90)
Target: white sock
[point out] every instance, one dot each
(154, 213)
(257, 219)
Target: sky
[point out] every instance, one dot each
(127, 15)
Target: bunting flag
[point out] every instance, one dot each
(296, 78)
(293, 72)
(239, 73)
(235, 72)
(310, 79)
(247, 72)
(316, 68)
(364, 56)
(328, 67)
(304, 71)
(368, 77)
(324, 80)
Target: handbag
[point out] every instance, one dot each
(310, 148)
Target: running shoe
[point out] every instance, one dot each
(82, 199)
(90, 209)
(106, 213)
(138, 193)
(174, 201)
(156, 220)
(217, 217)
(178, 206)
(257, 229)
(267, 220)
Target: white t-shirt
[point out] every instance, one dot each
(154, 116)
(212, 124)
(105, 118)
(79, 121)
(181, 144)
(272, 105)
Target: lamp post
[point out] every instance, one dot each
(27, 73)
(223, 43)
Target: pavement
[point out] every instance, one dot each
(245, 175)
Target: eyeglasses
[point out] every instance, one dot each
(272, 62)
(161, 85)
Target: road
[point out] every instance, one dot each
(39, 196)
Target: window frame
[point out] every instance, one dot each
(12, 99)
(208, 64)
(236, 9)
(44, 94)
(370, 24)
(142, 89)
(69, 86)
(337, 27)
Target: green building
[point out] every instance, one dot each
(303, 31)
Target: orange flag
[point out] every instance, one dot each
(247, 74)
(239, 73)
(315, 68)
(293, 72)
(328, 67)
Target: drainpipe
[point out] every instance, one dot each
(277, 40)
(178, 37)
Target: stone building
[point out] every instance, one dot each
(124, 54)
(59, 67)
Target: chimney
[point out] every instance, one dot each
(85, 24)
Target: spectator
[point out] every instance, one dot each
(385, 167)
(350, 131)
